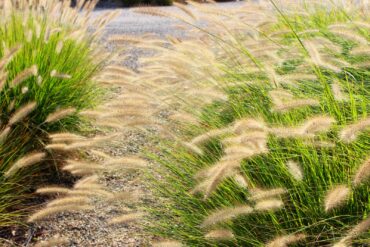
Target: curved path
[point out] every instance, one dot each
(91, 229)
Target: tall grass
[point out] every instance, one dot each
(274, 161)
(48, 61)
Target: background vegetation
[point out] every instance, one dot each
(297, 90)
(52, 67)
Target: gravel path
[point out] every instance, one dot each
(91, 228)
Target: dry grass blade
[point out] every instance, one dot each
(336, 196)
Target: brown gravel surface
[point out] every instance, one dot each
(91, 228)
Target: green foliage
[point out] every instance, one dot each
(39, 37)
(182, 212)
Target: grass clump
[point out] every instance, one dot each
(47, 66)
(278, 162)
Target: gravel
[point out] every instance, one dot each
(91, 228)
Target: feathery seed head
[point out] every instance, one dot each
(363, 173)
(56, 74)
(269, 204)
(225, 214)
(127, 218)
(210, 134)
(21, 113)
(167, 243)
(24, 75)
(248, 125)
(185, 10)
(295, 170)
(350, 132)
(341, 244)
(337, 92)
(241, 181)
(4, 134)
(53, 190)
(293, 104)
(60, 114)
(27, 160)
(219, 235)
(284, 241)
(351, 35)
(57, 147)
(54, 210)
(59, 46)
(65, 137)
(317, 124)
(54, 241)
(336, 196)
(259, 194)
(356, 231)
(193, 148)
(70, 200)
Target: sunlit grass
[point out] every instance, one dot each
(325, 161)
(49, 46)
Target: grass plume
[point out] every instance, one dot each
(226, 214)
(336, 196)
